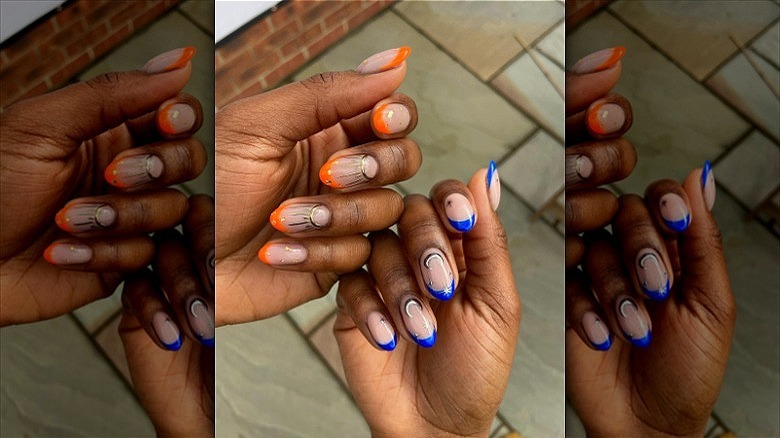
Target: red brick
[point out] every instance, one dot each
(302, 41)
(372, 9)
(126, 14)
(232, 69)
(250, 90)
(326, 41)
(89, 38)
(72, 13)
(70, 70)
(223, 92)
(284, 70)
(281, 36)
(9, 93)
(37, 90)
(342, 14)
(31, 38)
(238, 43)
(282, 15)
(73, 34)
(319, 10)
(112, 41)
(101, 11)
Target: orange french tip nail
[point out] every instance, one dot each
(47, 254)
(185, 57)
(593, 121)
(110, 176)
(617, 55)
(162, 120)
(261, 254)
(403, 53)
(276, 220)
(379, 121)
(325, 175)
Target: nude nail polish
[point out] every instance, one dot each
(391, 118)
(134, 171)
(176, 118)
(598, 61)
(493, 186)
(708, 185)
(282, 253)
(171, 60)
(383, 61)
(201, 322)
(79, 218)
(296, 218)
(460, 213)
(605, 118)
(596, 330)
(578, 168)
(67, 254)
(437, 274)
(166, 330)
(382, 331)
(674, 212)
(632, 321)
(418, 322)
(651, 272)
(349, 171)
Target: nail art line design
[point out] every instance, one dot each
(297, 218)
(348, 172)
(578, 168)
(166, 331)
(382, 331)
(632, 322)
(598, 61)
(67, 254)
(460, 213)
(598, 333)
(605, 117)
(493, 185)
(135, 171)
(652, 275)
(85, 217)
(282, 253)
(417, 323)
(391, 118)
(383, 61)
(201, 322)
(674, 212)
(171, 60)
(176, 118)
(708, 185)
(437, 275)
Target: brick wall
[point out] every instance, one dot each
(49, 53)
(579, 10)
(277, 44)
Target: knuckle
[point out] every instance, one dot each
(396, 279)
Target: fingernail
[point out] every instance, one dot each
(381, 331)
(437, 274)
(171, 60)
(175, 118)
(85, 217)
(605, 117)
(296, 218)
(167, 331)
(201, 322)
(134, 171)
(459, 212)
(674, 212)
(597, 332)
(708, 185)
(384, 61)
(282, 253)
(632, 322)
(67, 254)
(493, 185)
(391, 118)
(578, 168)
(597, 61)
(652, 274)
(350, 171)
(210, 265)
(418, 323)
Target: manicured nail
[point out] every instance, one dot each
(578, 168)
(418, 323)
(85, 217)
(493, 185)
(296, 218)
(201, 322)
(597, 61)
(674, 212)
(175, 118)
(708, 185)
(459, 212)
(598, 333)
(67, 254)
(632, 322)
(282, 253)
(382, 331)
(167, 331)
(605, 117)
(652, 275)
(350, 171)
(391, 118)
(383, 61)
(134, 171)
(437, 274)
(172, 60)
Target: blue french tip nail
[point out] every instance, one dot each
(604, 346)
(641, 342)
(464, 226)
(427, 342)
(705, 172)
(390, 346)
(491, 170)
(658, 295)
(174, 346)
(443, 295)
(207, 342)
(680, 225)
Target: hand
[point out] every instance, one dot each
(454, 385)
(666, 248)
(320, 148)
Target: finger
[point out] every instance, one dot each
(575, 249)
(589, 209)
(178, 117)
(394, 117)
(455, 205)
(360, 301)
(157, 165)
(669, 206)
(316, 254)
(125, 254)
(110, 215)
(199, 229)
(428, 248)
(606, 118)
(338, 214)
(398, 287)
(592, 77)
(643, 248)
(592, 164)
(142, 297)
(373, 164)
(583, 314)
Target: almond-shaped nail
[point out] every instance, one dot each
(708, 185)
(418, 322)
(578, 168)
(597, 331)
(282, 253)
(201, 322)
(171, 60)
(349, 171)
(383, 61)
(167, 331)
(296, 218)
(67, 254)
(674, 212)
(134, 171)
(605, 118)
(437, 274)
(493, 185)
(460, 213)
(598, 61)
(651, 272)
(175, 118)
(632, 322)
(79, 218)
(391, 118)
(382, 331)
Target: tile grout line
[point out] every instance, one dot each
(192, 20)
(737, 53)
(522, 51)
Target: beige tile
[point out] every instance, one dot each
(768, 44)
(308, 315)
(109, 341)
(325, 342)
(200, 11)
(751, 171)
(481, 35)
(696, 34)
(97, 313)
(535, 170)
(552, 45)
